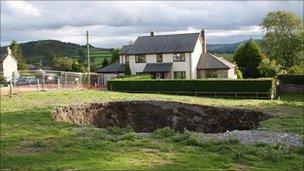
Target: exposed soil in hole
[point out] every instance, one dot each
(146, 116)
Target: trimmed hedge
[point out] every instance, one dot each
(218, 85)
(291, 79)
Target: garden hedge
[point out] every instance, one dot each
(291, 79)
(218, 85)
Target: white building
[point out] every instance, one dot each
(175, 56)
(8, 64)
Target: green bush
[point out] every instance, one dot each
(297, 69)
(193, 86)
(269, 68)
(291, 79)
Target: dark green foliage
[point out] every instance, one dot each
(115, 55)
(127, 69)
(269, 68)
(134, 77)
(192, 86)
(105, 62)
(76, 67)
(17, 53)
(248, 57)
(291, 79)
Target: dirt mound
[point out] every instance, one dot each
(146, 116)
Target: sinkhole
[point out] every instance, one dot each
(147, 116)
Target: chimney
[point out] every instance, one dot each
(203, 36)
(9, 51)
(152, 33)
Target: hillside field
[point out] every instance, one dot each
(30, 140)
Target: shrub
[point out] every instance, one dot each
(239, 74)
(164, 133)
(291, 79)
(127, 69)
(134, 77)
(269, 68)
(297, 69)
(191, 87)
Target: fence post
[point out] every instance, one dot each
(58, 83)
(38, 85)
(11, 87)
(42, 82)
(66, 80)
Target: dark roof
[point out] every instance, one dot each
(115, 67)
(174, 43)
(210, 61)
(3, 56)
(124, 50)
(158, 67)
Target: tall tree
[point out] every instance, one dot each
(17, 53)
(105, 62)
(284, 37)
(115, 55)
(248, 57)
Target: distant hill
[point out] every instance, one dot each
(226, 48)
(43, 51)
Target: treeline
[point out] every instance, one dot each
(280, 52)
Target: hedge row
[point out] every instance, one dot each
(291, 79)
(246, 85)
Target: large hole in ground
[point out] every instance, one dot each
(146, 116)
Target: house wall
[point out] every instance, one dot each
(108, 76)
(168, 57)
(195, 57)
(122, 59)
(231, 73)
(9, 66)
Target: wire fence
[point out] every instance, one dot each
(47, 80)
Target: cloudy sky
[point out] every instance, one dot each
(114, 23)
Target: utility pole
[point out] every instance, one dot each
(88, 55)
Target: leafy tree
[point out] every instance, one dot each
(115, 55)
(127, 69)
(239, 74)
(62, 63)
(284, 37)
(76, 67)
(105, 62)
(248, 57)
(17, 53)
(269, 68)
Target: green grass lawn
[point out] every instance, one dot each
(227, 56)
(31, 140)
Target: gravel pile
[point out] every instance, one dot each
(252, 137)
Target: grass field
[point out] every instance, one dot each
(227, 56)
(31, 140)
(97, 57)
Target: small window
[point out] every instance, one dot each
(127, 59)
(179, 57)
(140, 58)
(179, 74)
(211, 73)
(159, 57)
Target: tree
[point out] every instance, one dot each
(115, 55)
(105, 62)
(248, 57)
(283, 38)
(127, 69)
(62, 63)
(269, 68)
(17, 53)
(76, 67)
(297, 69)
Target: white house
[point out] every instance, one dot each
(174, 56)
(8, 64)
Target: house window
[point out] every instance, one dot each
(179, 74)
(159, 57)
(127, 59)
(211, 73)
(179, 57)
(140, 58)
